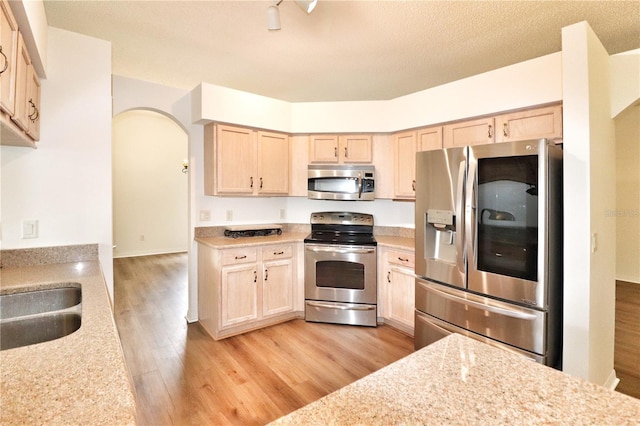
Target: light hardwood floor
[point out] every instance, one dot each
(182, 376)
(627, 339)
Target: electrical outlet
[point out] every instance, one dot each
(29, 229)
(205, 215)
(283, 214)
(229, 214)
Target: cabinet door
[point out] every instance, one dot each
(401, 295)
(473, 132)
(404, 147)
(273, 163)
(355, 149)
(8, 51)
(277, 290)
(238, 294)
(236, 160)
(23, 61)
(323, 149)
(429, 138)
(33, 102)
(531, 124)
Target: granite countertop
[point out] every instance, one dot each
(81, 378)
(219, 242)
(457, 380)
(403, 243)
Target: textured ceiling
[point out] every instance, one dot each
(343, 50)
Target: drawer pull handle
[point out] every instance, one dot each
(241, 257)
(255, 276)
(505, 130)
(389, 277)
(5, 60)
(277, 253)
(401, 259)
(490, 133)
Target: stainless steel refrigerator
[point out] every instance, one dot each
(489, 246)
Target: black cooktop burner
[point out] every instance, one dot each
(341, 228)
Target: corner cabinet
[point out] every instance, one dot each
(405, 146)
(398, 288)
(242, 289)
(244, 162)
(340, 149)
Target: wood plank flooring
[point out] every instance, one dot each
(183, 377)
(627, 341)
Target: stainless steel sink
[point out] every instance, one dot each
(39, 316)
(38, 301)
(37, 329)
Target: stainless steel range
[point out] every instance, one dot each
(341, 269)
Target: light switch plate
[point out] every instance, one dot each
(29, 229)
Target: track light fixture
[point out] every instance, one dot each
(273, 12)
(307, 5)
(273, 17)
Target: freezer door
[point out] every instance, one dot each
(510, 324)
(430, 329)
(440, 181)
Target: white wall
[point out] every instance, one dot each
(66, 183)
(589, 191)
(627, 210)
(150, 191)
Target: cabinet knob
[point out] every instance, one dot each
(6, 61)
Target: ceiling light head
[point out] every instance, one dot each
(273, 17)
(307, 5)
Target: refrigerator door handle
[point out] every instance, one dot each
(460, 223)
(510, 311)
(470, 216)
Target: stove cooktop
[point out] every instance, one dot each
(341, 228)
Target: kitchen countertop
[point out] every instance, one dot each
(458, 380)
(81, 378)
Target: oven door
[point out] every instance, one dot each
(340, 273)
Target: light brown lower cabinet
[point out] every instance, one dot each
(397, 288)
(242, 289)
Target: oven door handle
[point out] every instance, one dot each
(341, 250)
(341, 307)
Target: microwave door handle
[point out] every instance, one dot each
(359, 185)
(460, 224)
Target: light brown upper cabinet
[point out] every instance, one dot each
(340, 149)
(530, 124)
(8, 51)
(242, 161)
(27, 97)
(472, 132)
(405, 146)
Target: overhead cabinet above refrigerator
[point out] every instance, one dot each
(489, 246)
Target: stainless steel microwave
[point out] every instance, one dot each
(341, 182)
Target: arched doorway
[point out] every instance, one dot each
(150, 188)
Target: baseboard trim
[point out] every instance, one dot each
(612, 381)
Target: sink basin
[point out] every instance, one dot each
(39, 316)
(38, 301)
(30, 330)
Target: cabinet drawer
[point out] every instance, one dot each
(277, 252)
(239, 255)
(401, 258)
